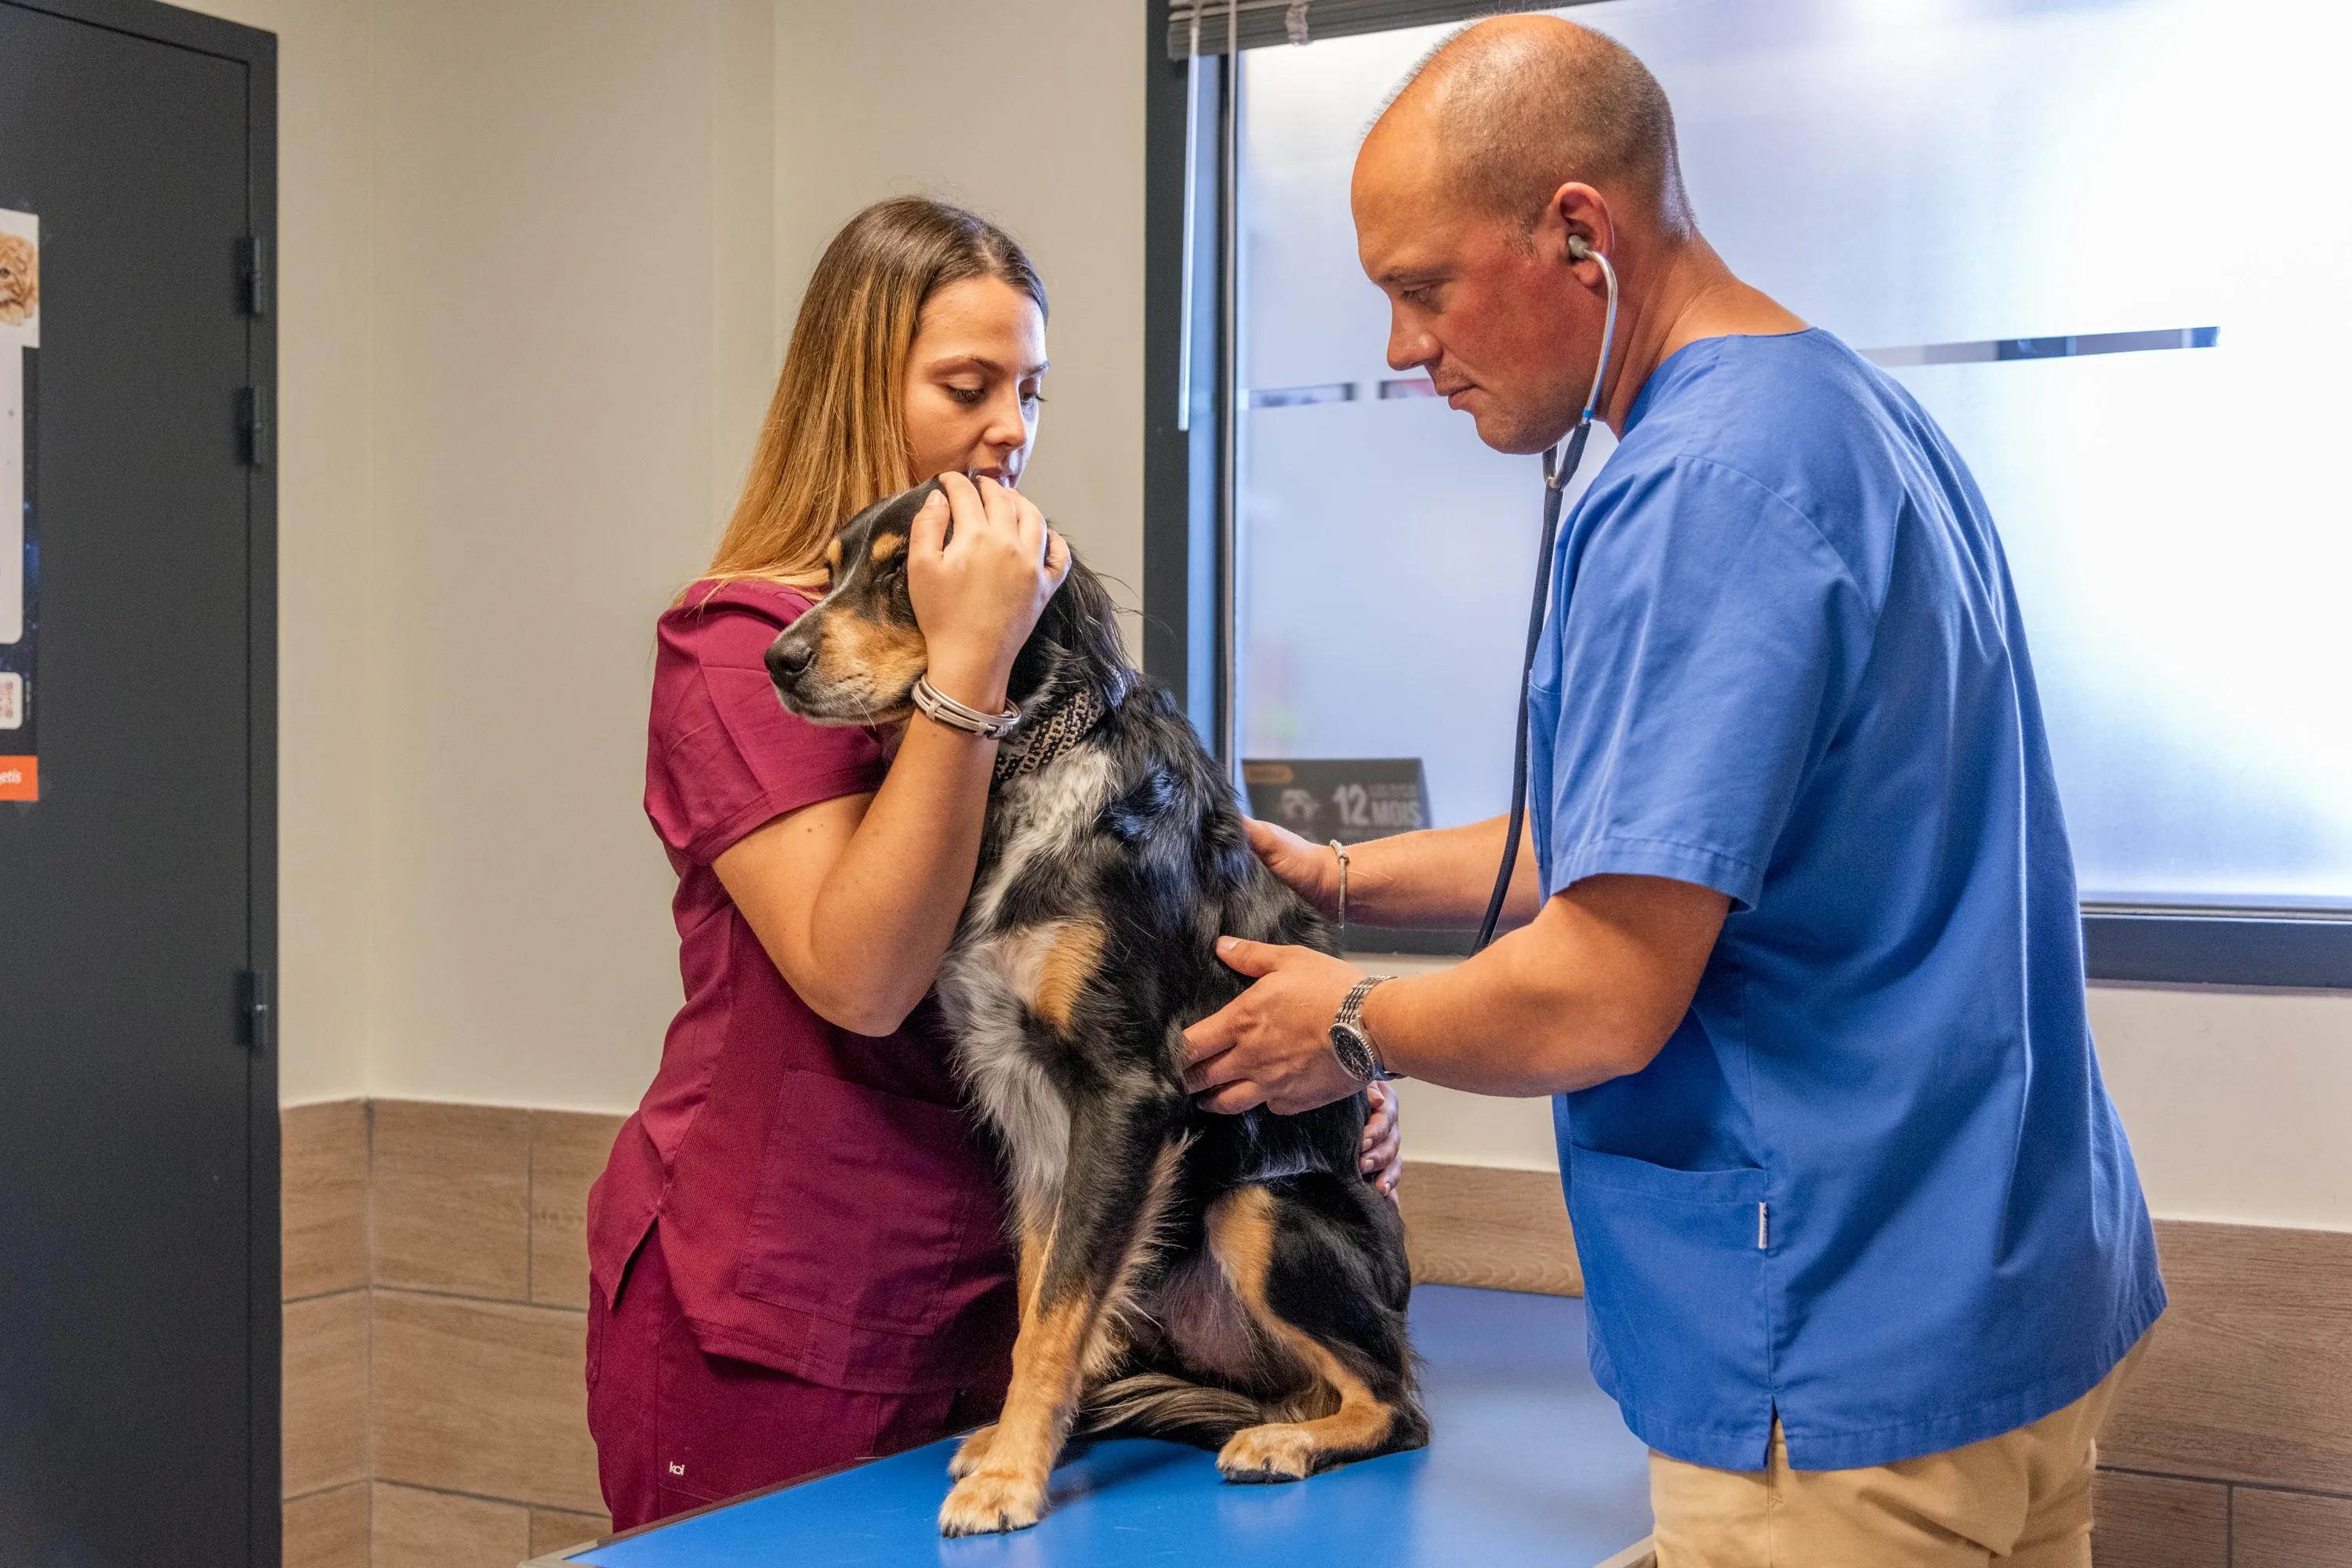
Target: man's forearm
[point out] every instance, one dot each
(1587, 992)
(1496, 1024)
(1439, 878)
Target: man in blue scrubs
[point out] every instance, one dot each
(1799, 949)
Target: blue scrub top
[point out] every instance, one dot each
(1872, 1182)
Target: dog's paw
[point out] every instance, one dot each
(973, 1453)
(988, 1502)
(1276, 1452)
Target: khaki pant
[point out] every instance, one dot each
(2018, 1500)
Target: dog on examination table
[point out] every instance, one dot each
(1221, 1280)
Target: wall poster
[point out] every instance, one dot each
(1351, 799)
(20, 538)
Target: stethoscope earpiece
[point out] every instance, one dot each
(1555, 466)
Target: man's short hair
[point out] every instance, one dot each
(1524, 109)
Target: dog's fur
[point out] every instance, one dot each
(1223, 1280)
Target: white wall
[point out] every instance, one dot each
(570, 261)
(591, 225)
(1031, 113)
(2238, 1104)
(527, 328)
(537, 259)
(327, 772)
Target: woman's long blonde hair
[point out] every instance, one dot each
(834, 440)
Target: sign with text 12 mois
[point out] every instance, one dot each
(1346, 798)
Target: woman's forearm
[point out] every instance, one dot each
(1439, 878)
(892, 875)
(856, 898)
(883, 920)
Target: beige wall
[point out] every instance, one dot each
(537, 259)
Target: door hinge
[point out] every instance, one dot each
(253, 425)
(255, 1009)
(252, 272)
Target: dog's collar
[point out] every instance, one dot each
(1049, 733)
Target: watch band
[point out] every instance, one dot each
(1352, 1013)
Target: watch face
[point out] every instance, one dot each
(1355, 1053)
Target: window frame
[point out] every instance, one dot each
(1188, 532)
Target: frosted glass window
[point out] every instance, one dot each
(1962, 188)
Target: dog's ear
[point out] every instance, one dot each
(1082, 618)
(888, 524)
(877, 533)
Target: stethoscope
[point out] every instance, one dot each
(1559, 466)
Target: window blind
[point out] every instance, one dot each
(1259, 23)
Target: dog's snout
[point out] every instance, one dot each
(789, 657)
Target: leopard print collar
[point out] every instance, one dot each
(1050, 732)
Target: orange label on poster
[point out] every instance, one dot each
(20, 778)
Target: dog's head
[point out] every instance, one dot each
(853, 659)
(854, 655)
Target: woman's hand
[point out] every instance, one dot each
(1382, 1156)
(1311, 870)
(977, 592)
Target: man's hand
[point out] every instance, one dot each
(1271, 1045)
(1309, 870)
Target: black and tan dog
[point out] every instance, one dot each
(1221, 1280)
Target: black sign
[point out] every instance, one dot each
(1350, 799)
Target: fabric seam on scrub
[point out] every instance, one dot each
(1845, 568)
(2022, 1408)
(1628, 854)
(707, 846)
(2111, 1353)
(2030, 1398)
(1767, 1274)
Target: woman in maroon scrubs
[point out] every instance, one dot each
(796, 1250)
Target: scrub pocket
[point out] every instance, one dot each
(865, 1205)
(1674, 1288)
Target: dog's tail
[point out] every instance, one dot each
(1156, 1404)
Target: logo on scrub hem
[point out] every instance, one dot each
(676, 1469)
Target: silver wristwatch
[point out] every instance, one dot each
(1352, 1042)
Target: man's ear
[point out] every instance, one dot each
(1575, 223)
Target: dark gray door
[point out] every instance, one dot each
(138, 1200)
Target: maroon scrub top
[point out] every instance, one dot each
(827, 1205)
